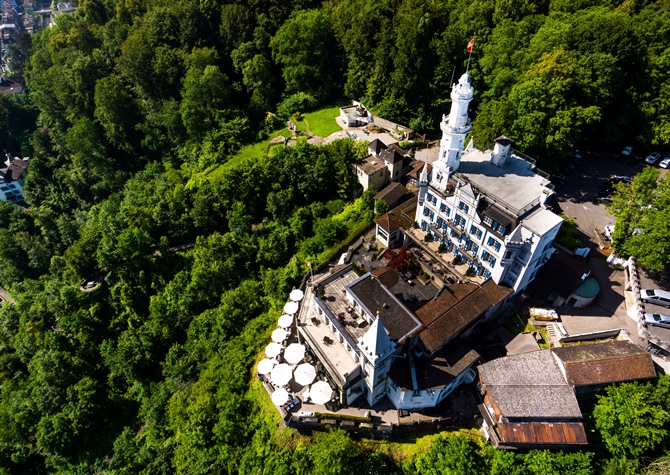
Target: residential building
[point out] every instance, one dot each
(486, 206)
(391, 194)
(385, 164)
(355, 115)
(12, 177)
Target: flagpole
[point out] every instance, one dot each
(471, 46)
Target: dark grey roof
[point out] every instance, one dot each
(504, 141)
(498, 215)
(398, 321)
(392, 155)
(437, 372)
(392, 193)
(377, 146)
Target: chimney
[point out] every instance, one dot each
(502, 150)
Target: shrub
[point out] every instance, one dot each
(457, 260)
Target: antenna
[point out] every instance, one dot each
(452, 75)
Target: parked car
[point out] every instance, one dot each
(557, 180)
(627, 150)
(567, 168)
(575, 158)
(655, 296)
(657, 319)
(652, 158)
(604, 199)
(665, 163)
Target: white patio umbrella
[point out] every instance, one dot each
(279, 335)
(285, 321)
(291, 307)
(304, 374)
(320, 392)
(294, 353)
(280, 396)
(273, 350)
(296, 295)
(281, 374)
(265, 366)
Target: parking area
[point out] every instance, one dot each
(577, 200)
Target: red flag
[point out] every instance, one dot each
(471, 43)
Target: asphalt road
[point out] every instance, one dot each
(577, 196)
(577, 200)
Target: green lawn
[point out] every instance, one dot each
(322, 122)
(519, 324)
(250, 151)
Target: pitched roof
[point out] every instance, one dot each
(391, 193)
(437, 372)
(535, 402)
(461, 315)
(447, 298)
(371, 294)
(15, 170)
(376, 342)
(386, 275)
(388, 223)
(377, 146)
(371, 165)
(392, 154)
(416, 170)
(529, 385)
(542, 433)
(605, 363)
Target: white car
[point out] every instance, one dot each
(665, 163)
(657, 319)
(655, 296)
(628, 150)
(652, 158)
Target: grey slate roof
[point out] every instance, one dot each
(529, 385)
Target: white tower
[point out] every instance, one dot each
(423, 184)
(456, 126)
(376, 348)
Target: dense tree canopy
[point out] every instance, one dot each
(642, 209)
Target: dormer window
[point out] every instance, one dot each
(488, 221)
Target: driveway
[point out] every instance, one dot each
(577, 201)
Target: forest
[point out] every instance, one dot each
(141, 120)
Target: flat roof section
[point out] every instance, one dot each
(515, 184)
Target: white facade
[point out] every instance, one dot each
(487, 207)
(11, 192)
(421, 399)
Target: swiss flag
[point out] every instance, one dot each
(471, 43)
